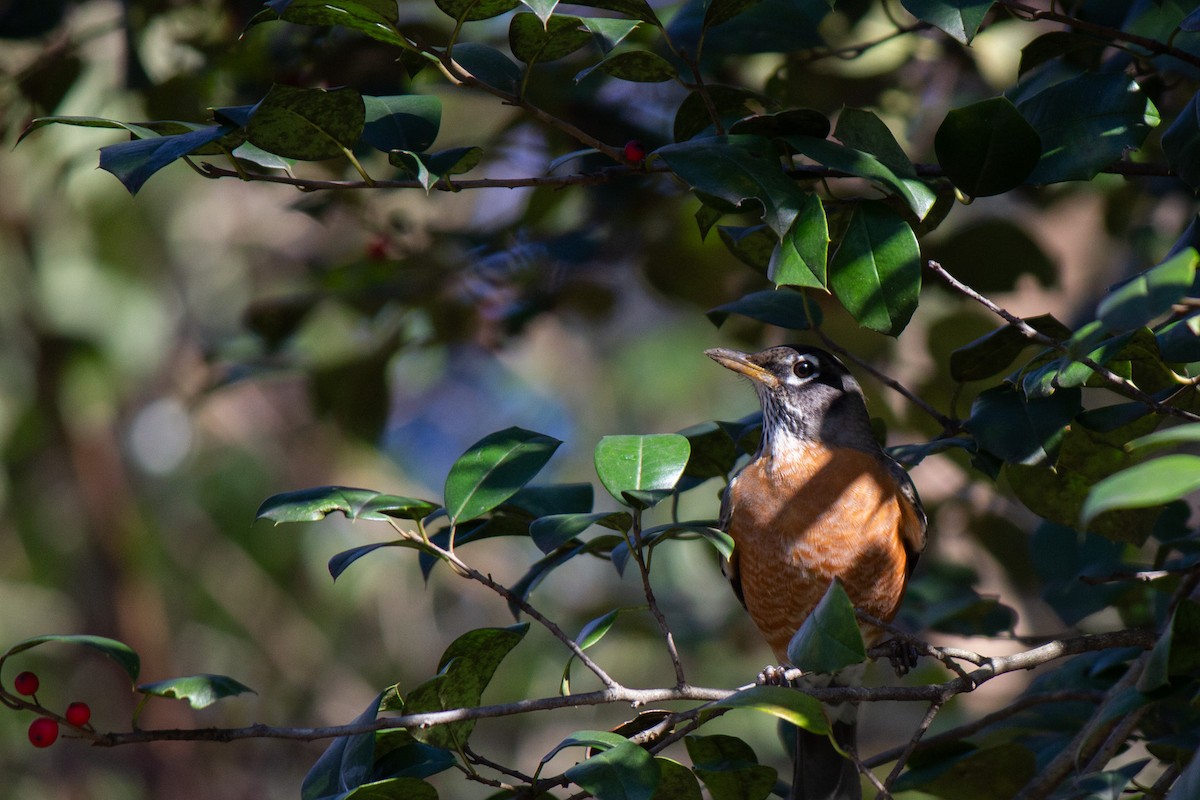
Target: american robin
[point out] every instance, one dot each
(819, 500)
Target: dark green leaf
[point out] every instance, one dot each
(401, 122)
(676, 782)
(799, 259)
(602, 740)
(863, 131)
(1151, 294)
(1086, 123)
(538, 573)
(429, 168)
(1150, 484)
(121, 653)
(959, 18)
(558, 498)
(1021, 431)
(829, 639)
(753, 245)
(133, 163)
(729, 769)
(713, 451)
(200, 691)
(781, 307)
(339, 563)
(471, 10)
(394, 789)
(1054, 44)
(997, 773)
(1181, 143)
(488, 65)
(919, 197)
(346, 764)
(307, 124)
(787, 704)
(637, 9)
(551, 532)
(876, 270)
(718, 11)
(992, 353)
(987, 148)
(649, 463)
(790, 122)
(731, 104)
(532, 41)
(738, 169)
(607, 33)
(310, 505)
(493, 469)
(375, 18)
(625, 772)
(640, 66)
(142, 131)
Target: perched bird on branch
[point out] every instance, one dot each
(819, 500)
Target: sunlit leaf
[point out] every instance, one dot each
(876, 270)
(648, 463)
(1152, 483)
(200, 691)
(310, 505)
(1151, 294)
(829, 639)
(124, 656)
(787, 704)
(494, 469)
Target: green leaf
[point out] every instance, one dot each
(1055, 44)
(601, 740)
(121, 653)
(1181, 143)
(753, 245)
(544, 9)
(472, 10)
(731, 103)
(133, 163)
(538, 572)
(780, 307)
(789, 122)
(639, 66)
(799, 259)
(624, 772)
(738, 169)
(829, 639)
(1180, 434)
(488, 65)
(1152, 483)
(551, 532)
(401, 122)
(310, 505)
(346, 764)
(919, 197)
(959, 18)
(987, 148)
(142, 131)
(1020, 430)
(650, 463)
(607, 33)
(532, 41)
(718, 11)
(493, 469)
(992, 353)
(876, 270)
(200, 691)
(995, 773)
(713, 451)
(789, 705)
(375, 18)
(729, 768)
(637, 9)
(1086, 123)
(307, 124)
(394, 789)
(862, 130)
(1151, 294)
(464, 671)
(340, 562)
(1176, 652)
(429, 168)
(675, 781)
(588, 635)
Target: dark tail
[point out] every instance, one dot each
(821, 772)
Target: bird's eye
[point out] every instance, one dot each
(804, 368)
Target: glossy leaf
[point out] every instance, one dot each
(494, 469)
(624, 772)
(787, 704)
(959, 18)
(1180, 434)
(346, 764)
(488, 65)
(1181, 143)
(650, 463)
(780, 307)
(800, 257)
(307, 124)
(876, 270)
(551, 532)
(1021, 431)
(310, 505)
(987, 148)
(543, 9)
(862, 130)
(401, 122)
(1152, 483)
(133, 163)
(1086, 123)
(738, 170)
(637, 9)
(471, 10)
(200, 691)
(429, 168)
(340, 562)
(375, 18)
(122, 654)
(532, 41)
(829, 639)
(607, 32)
(1151, 294)
(919, 197)
(640, 66)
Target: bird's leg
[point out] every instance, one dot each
(773, 675)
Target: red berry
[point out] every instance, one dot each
(42, 732)
(26, 684)
(635, 152)
(78, 714)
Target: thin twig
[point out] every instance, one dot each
(918, 734)
(639, 557)
(1111, 379)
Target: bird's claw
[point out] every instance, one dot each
(903, 654)
(774, 676)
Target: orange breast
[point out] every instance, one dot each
(799, 524)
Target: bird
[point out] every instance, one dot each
(819, 500)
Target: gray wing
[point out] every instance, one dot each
(913, 535)
(729, 566)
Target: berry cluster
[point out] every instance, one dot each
(43, 731)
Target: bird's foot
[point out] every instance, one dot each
(776, 676)
(903, 654)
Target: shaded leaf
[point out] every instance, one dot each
(731, 104)
(401, 788)
(471, 10)
(829, 639)
(494, 469)
(1181, 143)
(641, 66)
(488, 65)
(987, 148)
(346, 764)
(789, 122)
(624, 772)
(862, 130)
(133, 163)
(401, 122)
(637, 9)
(781, 307)
(675, 781)
(307, 124)
(532, 41)
(375, 18)
(992, 353)
(340, 562)
(1018, 430)
(919, 197)
(124, 656)
(554, 531)
(959, 18)
(996, 773)
(200, 691)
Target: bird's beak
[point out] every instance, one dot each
(740, 362)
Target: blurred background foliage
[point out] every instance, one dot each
(168, 362)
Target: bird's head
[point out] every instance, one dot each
(806, 394)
